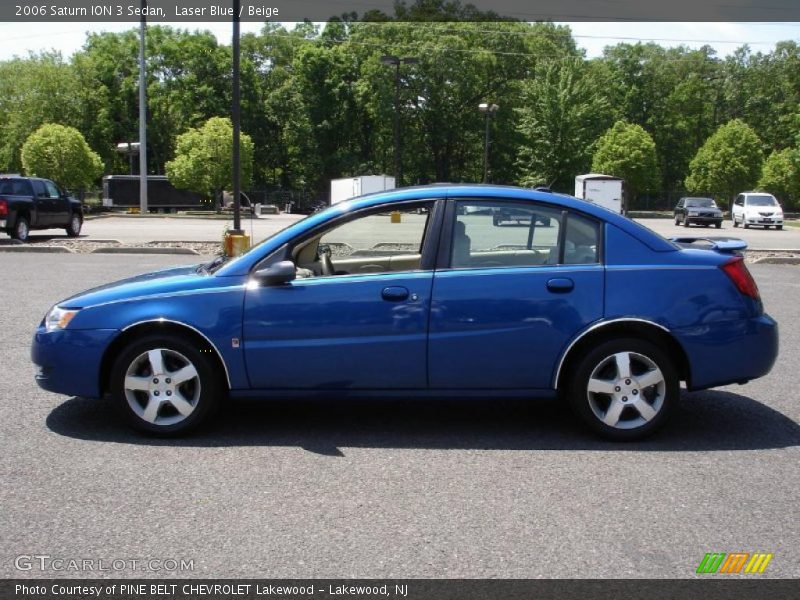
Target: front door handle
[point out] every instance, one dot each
(394, 293)
(560, 285)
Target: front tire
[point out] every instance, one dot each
(718, 225)
(165, 384)
(624, 389)
(74, 225)
(685, 221)
(22, 229)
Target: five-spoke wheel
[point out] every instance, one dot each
(164, 384)
(624, 389)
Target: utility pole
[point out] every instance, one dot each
(236, 118)
(142, 115)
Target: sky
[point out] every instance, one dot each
(593, 37)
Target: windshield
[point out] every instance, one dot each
(216, 263)
(700, 203)
(761, 200)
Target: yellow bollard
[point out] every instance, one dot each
(395, 215)
(235, 243)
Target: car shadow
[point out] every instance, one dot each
(710, 420)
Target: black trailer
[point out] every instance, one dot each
(122, 191)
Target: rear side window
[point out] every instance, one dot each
(15, 187)
(489, 234)
(38, 188)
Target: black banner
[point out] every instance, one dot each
(161, 11)
(399, 589)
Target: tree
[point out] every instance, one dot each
(729, 162)
(628, 151)
(35, 90)
(60, 153)
(203, 159)
(781, 176)
(562, 116)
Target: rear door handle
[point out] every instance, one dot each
(560, 285)
(394, 293)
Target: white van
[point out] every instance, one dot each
(757, 208)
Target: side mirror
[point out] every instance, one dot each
(277, 274)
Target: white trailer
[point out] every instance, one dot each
(604, 190)
(351, 187)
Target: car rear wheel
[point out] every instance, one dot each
(677, 220)
(164, 385)
(22, 229)
(735, 222)
(624, 389)
(74, 225)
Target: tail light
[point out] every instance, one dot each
(3, 208)
(741, 278)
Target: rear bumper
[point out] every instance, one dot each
(68, 361)
(726, 352)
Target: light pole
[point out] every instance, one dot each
(142, 114)
(236, 118)
(488, 110)
(394, 61)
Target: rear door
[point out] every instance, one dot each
(43, 205)
(509, 298)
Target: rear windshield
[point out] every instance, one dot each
(15, 187)
(701, 202)
(761, 200)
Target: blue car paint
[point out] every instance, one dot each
(511, 336)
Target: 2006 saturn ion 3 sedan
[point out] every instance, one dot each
(420, 292)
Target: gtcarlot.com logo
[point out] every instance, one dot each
(45, 562)
(735, 562)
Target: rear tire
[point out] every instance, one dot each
(21, 230)
(164, 384)
(74, 225)
(735, 222)
(624, 389)
(677, 220)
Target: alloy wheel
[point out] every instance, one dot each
(162, 386)
(626, 390)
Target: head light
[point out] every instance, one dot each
(58, 318)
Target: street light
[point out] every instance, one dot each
(488, 110)
(395, 61)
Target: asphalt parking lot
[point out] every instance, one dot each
(134, 230)
(395, 488)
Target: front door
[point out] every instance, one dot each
(512, 295)
(59, 203)
(357, 315)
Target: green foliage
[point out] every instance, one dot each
(628, 151)
(728, 163)
(203, 160)
(35, 90)
(780, 176)
(61, 153)
(563, 114)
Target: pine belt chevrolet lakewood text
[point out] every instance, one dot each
(421, 292)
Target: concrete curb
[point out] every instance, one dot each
(143, 250)
(41, 249)
(777, 260)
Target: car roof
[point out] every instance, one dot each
(450, 190)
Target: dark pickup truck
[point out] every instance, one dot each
(32, 203)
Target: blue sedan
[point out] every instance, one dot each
(422, 292)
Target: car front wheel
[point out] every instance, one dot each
(74, 225)
(624, 389)
(164, 385)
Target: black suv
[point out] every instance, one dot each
(32, 203)
(700, 211)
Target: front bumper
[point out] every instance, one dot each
(68, 360)
(764, 220)
(730, 352)
(702, 219)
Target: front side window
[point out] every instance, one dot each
(52, 190)
(511, 234)
(378, 242)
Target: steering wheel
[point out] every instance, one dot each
(325, 260)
